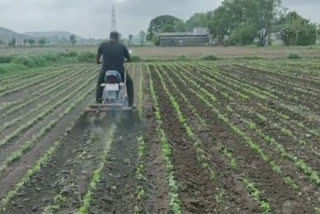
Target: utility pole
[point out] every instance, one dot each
(113, 19)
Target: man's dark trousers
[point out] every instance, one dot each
(129, 84)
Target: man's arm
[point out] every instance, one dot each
(127, 55)
(99, 54)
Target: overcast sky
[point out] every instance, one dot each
(93, 17)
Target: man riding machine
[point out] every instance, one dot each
(115, 86)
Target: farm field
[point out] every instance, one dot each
(169, 53)
(226, 136)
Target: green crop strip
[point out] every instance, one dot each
(279, 148)
(41, 116)
(29, 144)
(264, 205)
(183, 96)
(20, 118)
(30, 174)
(60, 199)
(198, 144)
(175, 202)
(287, 132)
(45, 90)
(284, 74)
(221, 76)
(140, 192)
(30, 83)
(256, 194)
(15, 83)
(84, 209)
(141, 94)
(299, 163)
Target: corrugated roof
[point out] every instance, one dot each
(182, 34)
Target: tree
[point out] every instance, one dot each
(73, 39)
(130, 39)
(243, 34)
(198, 20)
(220, 24)
(25, 41)
(261, 15)
(142, 36)
(161, 24)
(42, 42)
(13, 42)
(31, 42)
(180, 26)
(295, 30)
(264, 15)
(168, 28)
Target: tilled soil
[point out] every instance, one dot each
(62, 185)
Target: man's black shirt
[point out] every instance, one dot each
(114, 54)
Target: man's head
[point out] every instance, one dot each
(114, 36)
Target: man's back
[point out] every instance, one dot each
(113, 54)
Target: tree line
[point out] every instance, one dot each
(32, 42)
(243, 22)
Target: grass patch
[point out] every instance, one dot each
(136, 59)
(209, 58)
(86, 57)
(182, 58)
(11, 67)
(294, 56)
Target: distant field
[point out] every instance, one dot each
(190, 52)
(226, 52)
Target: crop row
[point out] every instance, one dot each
(140, 191)
(12, 78)
(27, 83)
(210, 103)
(44, 92)
(44, 160)
(275, 114)
(223, 84)
(303, 74)
(264, 205)
(302, 90)
(51, 124)
(60, 198)
(279, 149)
(255, 91)
(41, 115)
(175, 202)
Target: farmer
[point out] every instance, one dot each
(114, 55)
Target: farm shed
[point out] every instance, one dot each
(184, 39)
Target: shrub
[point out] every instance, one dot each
(136, 59)
(30, 61)
(69, 54)
(6, 68)
(86, 57)
(294, 56)
(210, 57)
(6, 59)
(52, 57)
(182, 58)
